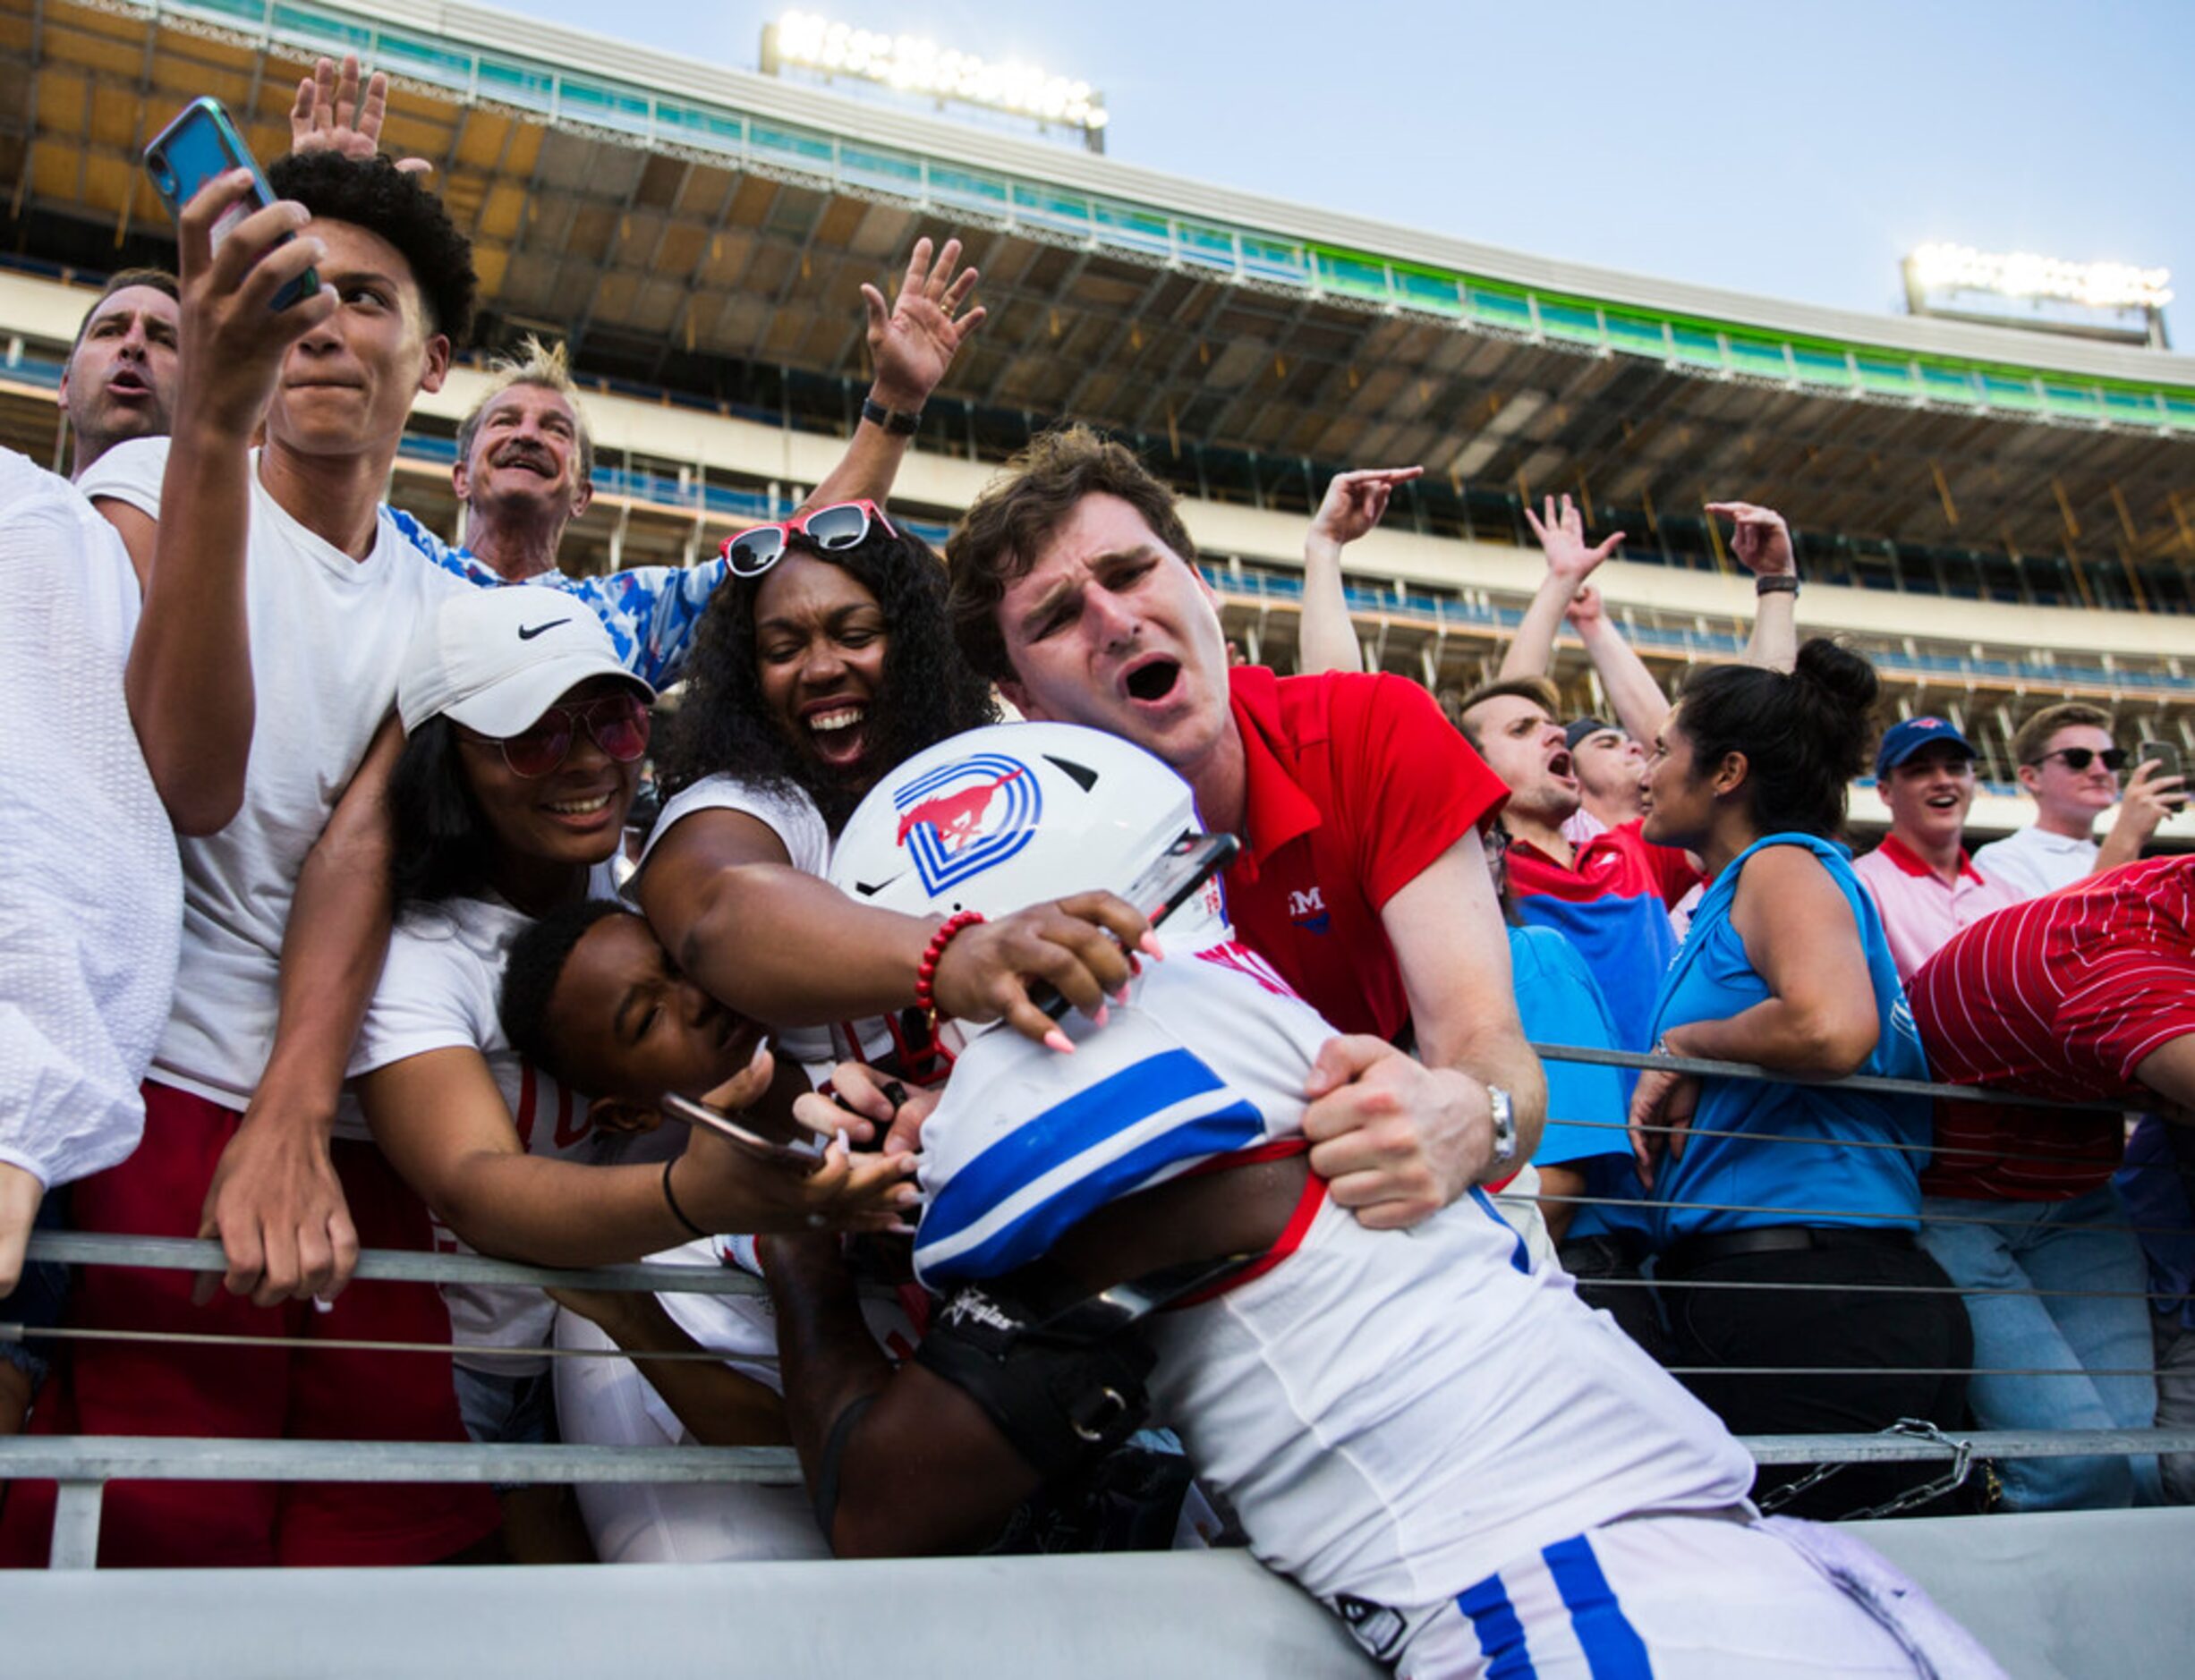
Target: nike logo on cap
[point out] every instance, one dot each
(527, 633)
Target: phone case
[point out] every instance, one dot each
(200, 144)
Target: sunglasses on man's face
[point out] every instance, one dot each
(617, 722)
(840, 526)
(2079, 759)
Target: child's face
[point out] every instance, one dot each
(627, 1023)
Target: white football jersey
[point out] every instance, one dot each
(1394, 1415)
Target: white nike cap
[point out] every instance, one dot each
(496, 659)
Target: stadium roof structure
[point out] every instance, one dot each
(682, 223)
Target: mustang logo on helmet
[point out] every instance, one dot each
(967, 816)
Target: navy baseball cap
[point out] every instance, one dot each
(1901, 740)
(1583, 727)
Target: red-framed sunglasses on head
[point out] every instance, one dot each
(841, 525)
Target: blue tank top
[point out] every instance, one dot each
(1804, 1183)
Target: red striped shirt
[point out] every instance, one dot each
(2061, 997)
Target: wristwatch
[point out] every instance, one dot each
(899, 421)
(1504, 1125)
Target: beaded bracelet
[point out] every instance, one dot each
(926, 971)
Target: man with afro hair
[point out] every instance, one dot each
(285, 919)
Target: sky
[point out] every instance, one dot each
(1789, 150)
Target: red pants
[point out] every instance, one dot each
(154, 1389)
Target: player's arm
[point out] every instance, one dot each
(1398, 1138)
(718, 1407)
(913, 341)
(899, 1462)
(933, 1456)
(781, 945)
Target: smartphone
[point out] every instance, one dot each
(199, 145)
(2165, 752)
(1173, 878)
(805, 1157)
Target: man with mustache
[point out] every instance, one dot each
(525, 468)
(525, 455)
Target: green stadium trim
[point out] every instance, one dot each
(768, 145)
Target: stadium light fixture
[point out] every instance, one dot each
(914, 63)
(2103, 300)
(2021, 275)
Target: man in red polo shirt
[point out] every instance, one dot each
(2086, 994)
(1921, 878)
(1361, 880)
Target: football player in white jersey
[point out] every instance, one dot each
(1477, 1472)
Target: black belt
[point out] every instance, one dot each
(1695, 1251)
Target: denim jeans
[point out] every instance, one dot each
(2034, 1246)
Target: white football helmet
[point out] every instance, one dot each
(1013, 814)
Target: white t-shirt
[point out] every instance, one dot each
(439, 991)
(1394, 1414)
(792, 816)
(2035, 862)
(91, 896)
(329, 633)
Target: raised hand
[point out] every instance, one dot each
(2149, 799)
(867, 1100)
(726, 1188)
(1396, 1141)
(330, 116)
(915, 338)
(1080, 945)
(1562, 535)
(1355, 502)
(1761, 540)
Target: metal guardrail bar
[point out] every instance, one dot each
(185, 1458)
(176, 1253)
(1593, 1056)
(83, 1465)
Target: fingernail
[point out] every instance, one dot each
(321, 1303)
(1149, 944)
(1057, 1041)
(1102, 1015)
(1121, 995)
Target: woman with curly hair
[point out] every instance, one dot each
(825, 660)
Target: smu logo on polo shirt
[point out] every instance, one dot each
(1308, 910)
(965, 817)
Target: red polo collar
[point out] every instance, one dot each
(1913, 863)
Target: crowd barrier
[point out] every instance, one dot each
(2061, 1595)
